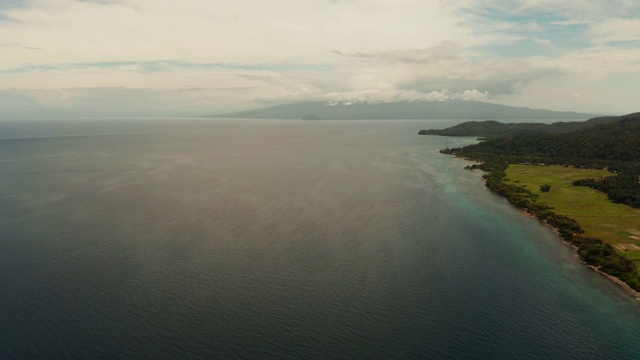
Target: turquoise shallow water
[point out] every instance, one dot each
(185, 238)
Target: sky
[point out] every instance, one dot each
(103, 58)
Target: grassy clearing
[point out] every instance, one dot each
(599, 217)
(633, 255)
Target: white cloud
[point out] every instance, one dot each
(569, 10)
(218, 31)
(542, 41)
(207, 56)
(615, 30)
(87, 102)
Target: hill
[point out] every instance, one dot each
(603, 140)
(614, 145)
(454, 109)
(492, 128)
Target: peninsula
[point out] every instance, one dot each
(584, 183)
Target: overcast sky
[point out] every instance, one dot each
(192, 57)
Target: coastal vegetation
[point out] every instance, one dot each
(492, 128)
(597, 216)
(585, 184)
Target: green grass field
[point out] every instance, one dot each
(599, 217)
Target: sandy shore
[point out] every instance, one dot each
(634, 293)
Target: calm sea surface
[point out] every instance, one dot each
(245, 239)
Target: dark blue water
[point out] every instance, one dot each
(199, 239)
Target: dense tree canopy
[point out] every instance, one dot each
(613, 145)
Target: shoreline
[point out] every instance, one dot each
(629, 289)
(635, 294)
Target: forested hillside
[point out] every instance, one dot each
(492, 128)
(614, 145)
(615, 141)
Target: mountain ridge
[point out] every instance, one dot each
(490, 128)
(452, 109)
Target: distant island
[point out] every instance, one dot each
(552, 173)
(311, 117)
(453, 109)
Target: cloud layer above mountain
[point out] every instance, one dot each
(152, 57)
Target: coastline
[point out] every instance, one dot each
(634, 293)
(630, 290)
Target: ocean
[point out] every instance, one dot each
(280, 239)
